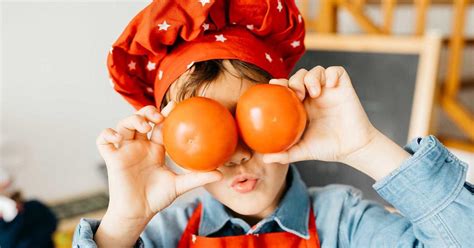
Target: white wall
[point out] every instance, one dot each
(55, 93)
(56, 96)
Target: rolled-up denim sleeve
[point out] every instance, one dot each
(430, 191)
(164, 230)
(84, 234)
(427, 183)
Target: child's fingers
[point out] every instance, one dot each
(296, 83)
(336, 75)
(279, 81)
(107, 140)
(156, 134)
(314, 80)
(168, 108)
(189, 181)
(151, 113)
(294, 154)
(134, 127)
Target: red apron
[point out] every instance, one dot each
(275, 239)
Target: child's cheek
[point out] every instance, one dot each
(217, 188)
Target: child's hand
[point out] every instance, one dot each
(338, 129)
(338, 125)
(140, 185)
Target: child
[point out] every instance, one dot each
(23, 223)
(8, 206)
(173, 50)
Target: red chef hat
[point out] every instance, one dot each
(167, 37)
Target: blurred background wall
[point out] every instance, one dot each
(56, 96)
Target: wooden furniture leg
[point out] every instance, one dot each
(461, 116)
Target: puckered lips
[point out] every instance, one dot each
(244, 183)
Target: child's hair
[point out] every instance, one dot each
(207, 71)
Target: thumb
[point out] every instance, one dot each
(192, 180)
(294, 154)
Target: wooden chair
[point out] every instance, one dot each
(326, 22)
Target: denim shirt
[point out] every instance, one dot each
(435, 204)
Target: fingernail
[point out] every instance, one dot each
(301, 95)
(157, 116)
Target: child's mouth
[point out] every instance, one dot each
(244, 184)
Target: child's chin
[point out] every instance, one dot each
(250, 207)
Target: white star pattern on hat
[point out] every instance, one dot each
(220, 38)
(280, 6)
(204, 2)
(193, 238)
(164, 26)
(268, 57)
(295, 43)
(190, 64)
(111, 50)
(160, 74)
(205, 26)
(149, 89)
(250, 26)
(132, 65)
(151, 66)
(300, 18)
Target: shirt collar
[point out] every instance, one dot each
(291, 215)
(214, 216)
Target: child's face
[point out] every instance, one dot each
(249, 186)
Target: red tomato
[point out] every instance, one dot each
(200, 134)
(270, 118)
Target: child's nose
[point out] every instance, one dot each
(241, 155)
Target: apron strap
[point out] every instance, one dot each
(191, 227)
(312, 229)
